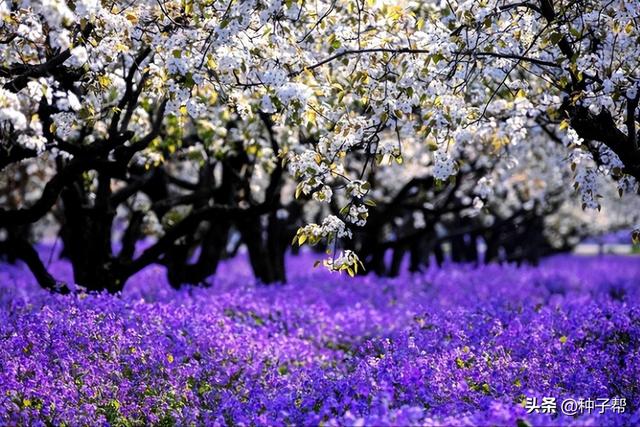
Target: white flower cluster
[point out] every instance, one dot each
(182, 97)
(273, 77)
(609, 159)
(56, 13)
(195, 109)
(67, 101)
(32, 142)
(343, 260)
(385, 146)
(79, 56)
(334, 226)
(179, 97)
(12, 118)
(324, 194)
(586, 179)
(64, 124)
(10, 114)
(87, 9)
(358, 214)
(293, 92)
(627, 184)
(357, 188)
(309, 168)
(177, 65)
(484, 187)
(516, 127)
(572, 138)
(348, 133)
(444, 166)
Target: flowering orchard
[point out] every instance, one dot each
(357, 126)
(171, 172)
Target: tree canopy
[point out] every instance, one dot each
(187, 119)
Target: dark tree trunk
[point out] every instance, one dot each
(396, 261)
(492, 251)
(439, 254)
(212, 247)
(457, 248)
(19, 233)
(375, 262)
(418, 257)
(277, 242)
(266, 251)
(472, 249)
(86, 234)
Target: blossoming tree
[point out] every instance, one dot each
(122, 99)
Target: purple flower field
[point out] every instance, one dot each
(453, 346)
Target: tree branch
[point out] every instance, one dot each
(409, 50)
(23, 250)
(28, 72)
(151, 254)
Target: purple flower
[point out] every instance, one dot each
(456, 345)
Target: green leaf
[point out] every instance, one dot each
(555, 37)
